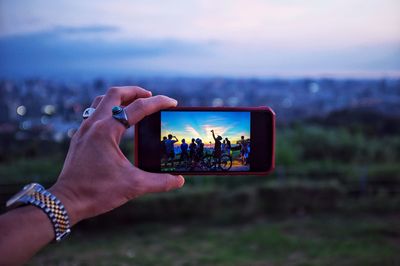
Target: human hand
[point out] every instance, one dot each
(96, 176)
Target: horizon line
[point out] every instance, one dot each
(390, 74)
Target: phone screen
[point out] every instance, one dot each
(205, 141)
(195, 140)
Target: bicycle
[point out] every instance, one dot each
(212, 162)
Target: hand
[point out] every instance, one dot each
(96, 176)
(212, 130)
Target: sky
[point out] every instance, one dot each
(256, 38)
(188, 125)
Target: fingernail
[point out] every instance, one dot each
(182, 180)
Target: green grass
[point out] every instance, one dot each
(319, 240)
(22, 170)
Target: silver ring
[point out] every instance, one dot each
(88, 112)
(119, 114)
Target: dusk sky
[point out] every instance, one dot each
(190, 125)
(197, 37)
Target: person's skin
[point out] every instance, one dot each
(96, 176)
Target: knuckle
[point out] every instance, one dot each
(85, 125)
(161, 97)
(140, 104)
(75, 138)
(98, 128)
(98, 98)
(100, 124)
(138, 185)
(113, 91)
(137, 88)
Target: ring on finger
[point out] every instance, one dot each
(88, 112)
(119, 114)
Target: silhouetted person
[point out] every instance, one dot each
(192, 149)
(199, 149)
(243, 150)
(163, 149)
(217, 147)
(169, 144)
(184, 151)
(228, 146)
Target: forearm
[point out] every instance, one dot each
(26, 230)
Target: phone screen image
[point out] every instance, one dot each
(207, 141)
(197, 141)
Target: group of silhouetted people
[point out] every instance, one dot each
(192, 152)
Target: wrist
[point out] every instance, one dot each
(72, 205)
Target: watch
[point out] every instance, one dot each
(36, 195)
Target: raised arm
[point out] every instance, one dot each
(96, 176)
(212, 131)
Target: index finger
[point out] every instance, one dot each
(119, 96)
(142, 107)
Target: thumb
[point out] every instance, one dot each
(155, 182)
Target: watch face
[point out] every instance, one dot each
(27, 190)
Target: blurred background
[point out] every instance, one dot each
(329, 69)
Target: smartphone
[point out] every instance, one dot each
(207, 141)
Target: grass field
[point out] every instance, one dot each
(337, 188)
(308, 240)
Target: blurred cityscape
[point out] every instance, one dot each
(51, 110)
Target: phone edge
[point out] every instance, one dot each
(200, 108)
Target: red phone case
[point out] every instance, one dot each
(264, 108)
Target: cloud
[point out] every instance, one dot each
(200, 37)
(86, 29)
(214, 120)
(65, 49)
(218, 130)
(192, 132)
(99, 50)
